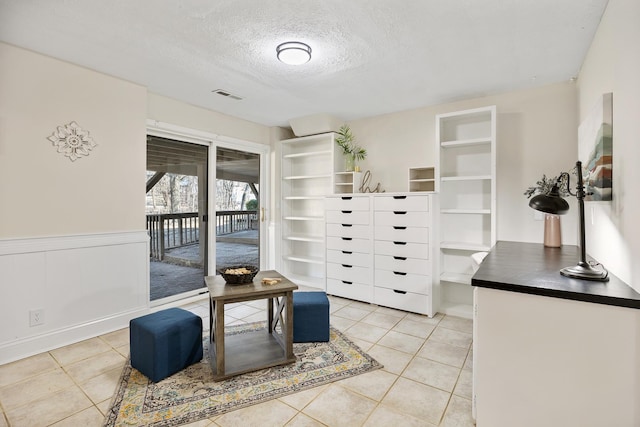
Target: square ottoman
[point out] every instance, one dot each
(165, 342)
(310, 317)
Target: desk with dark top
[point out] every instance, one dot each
(550, 350)
(532, 268)
(236, 354)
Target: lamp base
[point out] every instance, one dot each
(585, 272)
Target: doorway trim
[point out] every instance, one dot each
(212, 140)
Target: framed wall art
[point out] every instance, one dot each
(595, 150)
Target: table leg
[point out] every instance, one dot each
(270, 324)
(211, 318)
(219, 338)
(287, 325)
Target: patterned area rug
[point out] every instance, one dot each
(191, 395)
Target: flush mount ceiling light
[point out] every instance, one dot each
(294, 53)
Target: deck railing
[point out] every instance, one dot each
(167, 231)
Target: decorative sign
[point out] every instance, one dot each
(72, 141)
(364, 188)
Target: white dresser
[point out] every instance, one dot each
(349, 247)
(379, 249)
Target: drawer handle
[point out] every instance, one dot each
(399, 197)
(399, 243)
(346, 212)
(399, 273)
(347, 266)
(347, 225)
(347, 238)
(347, 283)
(401, 258)
(400, 292)
(347, 252)
(397, 227)
(346, 198)
(400, 212)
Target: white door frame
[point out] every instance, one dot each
(212, 140)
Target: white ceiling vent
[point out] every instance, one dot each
(223, 92)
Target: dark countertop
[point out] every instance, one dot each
(532, 268)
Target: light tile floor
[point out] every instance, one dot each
(426, 379)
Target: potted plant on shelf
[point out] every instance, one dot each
(352, 151)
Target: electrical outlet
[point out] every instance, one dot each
(36, 317)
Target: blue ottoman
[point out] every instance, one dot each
(310, 317)
(165, 342)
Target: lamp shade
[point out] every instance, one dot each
(550, 203)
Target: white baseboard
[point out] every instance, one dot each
(33, 345)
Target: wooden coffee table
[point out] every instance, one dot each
(239, 353)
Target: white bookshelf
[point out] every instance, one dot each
(467, 168)
(308, 167)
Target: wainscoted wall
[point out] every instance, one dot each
(72, 239)
(85, 285)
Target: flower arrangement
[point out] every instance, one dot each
(545, 185)
(347, 142)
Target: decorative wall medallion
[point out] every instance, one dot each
(72, 141)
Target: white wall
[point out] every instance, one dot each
(613, 65)
(72, 234)
(536, 134)
(167, 110)
(43, 193)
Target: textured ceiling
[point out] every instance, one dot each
(369, 56)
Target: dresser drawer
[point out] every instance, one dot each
(402, 300)
(403, 218)
(347, 203)
(403, 264)
(351, 273)
(349, 244)
(351, 290)
(349, 230)
(414, 250)
(402, 234)
(401, 203)
(347, 217)
(349, 258)
(416, 283)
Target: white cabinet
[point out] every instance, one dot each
(379, 250)
(403, 278)
(308, 165)
(467, 168)
(349, 247)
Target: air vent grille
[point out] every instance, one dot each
(227, 94)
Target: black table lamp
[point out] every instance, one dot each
(553, 203)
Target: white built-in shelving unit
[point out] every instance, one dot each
(422, 179)
(467, 169)
(308, 166)
(347, 182)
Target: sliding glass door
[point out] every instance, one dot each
(176, 207)
(206, 208)
(238, 208)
